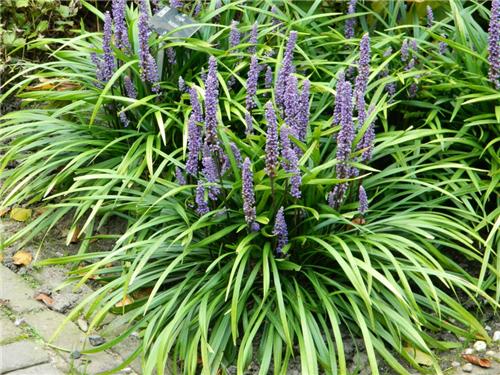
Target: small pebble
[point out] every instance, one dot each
(455, 364)
(467, 367)
(469, 351)
(488, 328)
(19, 321)
(75, 355)
(96, 340)
(461, 339)
(496, 336)
(480, 346)
(83, 324)
(490, 353)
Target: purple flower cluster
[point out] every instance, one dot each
(280, 231)
(494, 44)
(177, 4)
(286, 69)
(248, 195)
(268, 77)
(362, 78)
(211, 99)
(290, 162)
(430, 16)
(171, 56)
(338, 98)
(303, 111)
(210, 172)
(179, 176)
(271, 141)
(291, 99)
(201, 203)
(105, 66)
(129, 88)
(253, 77)
(234, 35)
(194, 139)
(121, 31)
(442, 46)
(236, 153)
(405, 50)
(253, 39)
(366, 142)
(350, 23)
(363, 200)
(147, 63)
(123, 119)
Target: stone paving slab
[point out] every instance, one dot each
(46, 369)
(20, 355)
(47, 322)
(14, 289)
(8, 331)
(97, 363)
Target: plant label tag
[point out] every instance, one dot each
(169, 20)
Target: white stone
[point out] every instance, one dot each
(467, 367)
(469, 351)
(455, 364)
(496, 336)
(82, 324)
(490, 353)
(480, 346)
(488, 328)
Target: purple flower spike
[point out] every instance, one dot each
(124, 120)
(338, 98)
(197, 8)
(210, 172)
(234, 35)
(303, 111)
(249, 123)
(248, 195)
(291, 103)
(108, 64)
(363, 200)
(494, 44)
(366, 142)
(290, 162)
(286, 69)
(253, 39)
(443, 46)
(271, 141)
(195, 105)
(350, 23)
(182, 84)
(337, 195)
(346, 133)
(253, 77)
(280, 231)
(121, 30)
(211, 99)
(171, 56)
(147, 63)
(363, 66)
(194, 142)
(268, 80)
(177, 4)
(430, 17)
(181, 180)
(129, 88)
(405, 50)
(236, 153)
(202, 206)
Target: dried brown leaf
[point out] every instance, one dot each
(45, 299)
(124, 302)
(22, 258)
(475, 360)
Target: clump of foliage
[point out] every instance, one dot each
(286, 183)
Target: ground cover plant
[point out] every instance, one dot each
(291, 175)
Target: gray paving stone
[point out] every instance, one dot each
(14, 289)
(47, 322)
(46, 369)
(20, 355)
(98, 362)
(8, 330)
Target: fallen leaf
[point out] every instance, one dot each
(142, 293)
(40, 210)
(475, 360)
(74, 235)
(359, 220)
(419, 356)
(124, 302)
(4, 302)
(1, 258)
(22, 258)
(20, 214)
(45, 299)
(4, 210)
